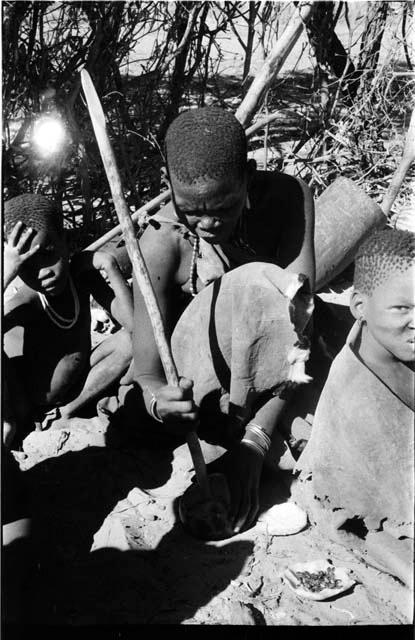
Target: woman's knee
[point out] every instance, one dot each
(123, 347)
(118, 347)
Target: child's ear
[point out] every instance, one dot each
(357, 305)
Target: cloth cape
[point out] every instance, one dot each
(359, 461)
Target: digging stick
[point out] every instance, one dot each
(408, 156)
(146, 208)
(139, 267)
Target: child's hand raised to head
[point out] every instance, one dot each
(17, 250)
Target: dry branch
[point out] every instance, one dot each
(408, 157)
(185, 38)
(273, 64)
(147, 208)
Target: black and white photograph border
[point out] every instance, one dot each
(208, 258)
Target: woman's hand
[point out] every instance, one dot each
(15, 254)
(243, 468)
(175, 406)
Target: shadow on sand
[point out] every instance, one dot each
(71, 496)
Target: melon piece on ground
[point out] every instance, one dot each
(284, 519)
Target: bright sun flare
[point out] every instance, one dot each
(48, 135)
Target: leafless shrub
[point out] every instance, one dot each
(345, 119)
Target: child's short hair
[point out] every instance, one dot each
(34, 210)
(383, 253)
(206, 142)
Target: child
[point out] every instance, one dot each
(47, 342)
(237, 343)
(357, 468)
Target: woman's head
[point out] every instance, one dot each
(383, 297)
(206, 152)
(47, 270)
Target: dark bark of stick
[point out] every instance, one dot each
(404, 37)
(13, 17)
(328, 49)
(178, 78)
(253, 12)
(370, 48)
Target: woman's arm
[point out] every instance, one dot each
(161, 252)
(162, 264)
(117, 298)
(296, 242)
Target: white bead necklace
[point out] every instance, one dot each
(57, 319)
(193, 264)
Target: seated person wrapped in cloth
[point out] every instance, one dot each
(49, 366)
(240, 342)
(357, 469)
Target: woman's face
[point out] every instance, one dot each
(210, 207)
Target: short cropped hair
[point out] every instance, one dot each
(206, 143)
(34, 210)
(384, 253)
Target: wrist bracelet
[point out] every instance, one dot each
(152, 408)
(256, 446)
(260, 433)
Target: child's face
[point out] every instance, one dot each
(47, 270)
(390, 315)
(210, 207)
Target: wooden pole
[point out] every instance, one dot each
(146, 208)
(273, 64)
(139, 267)
(408, 156)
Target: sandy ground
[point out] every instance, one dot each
(113, 550)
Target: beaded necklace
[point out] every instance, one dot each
(55, 317)
(193, 264)
(238, 239)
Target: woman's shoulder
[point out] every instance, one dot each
(275, 179)
(277, 189)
